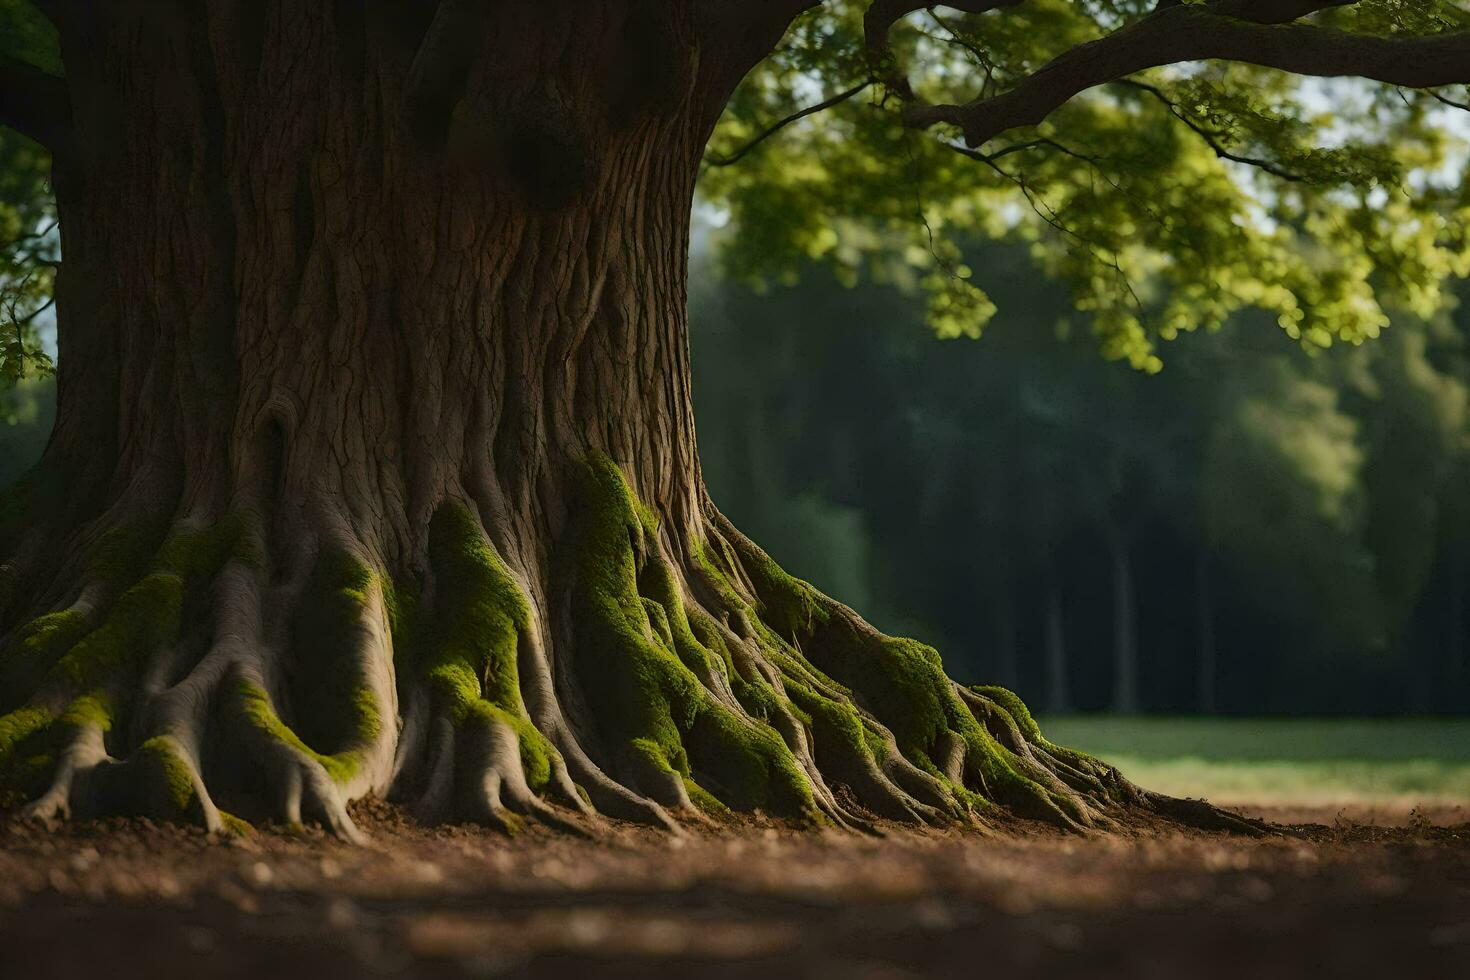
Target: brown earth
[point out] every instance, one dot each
(1341, 894)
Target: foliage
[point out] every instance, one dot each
(1164, 202)
(29, 243)
(962, 481)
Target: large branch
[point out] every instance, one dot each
(1204, 32)
(735, 36)
(883, 14)
(34, 103)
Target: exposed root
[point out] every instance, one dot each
(193, 677)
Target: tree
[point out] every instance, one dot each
(374, 468)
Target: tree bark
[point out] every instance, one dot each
(374, 470)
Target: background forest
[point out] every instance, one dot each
(1254, 529)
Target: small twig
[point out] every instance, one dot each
(1210, 139)
(1447, 101)
(716, 160)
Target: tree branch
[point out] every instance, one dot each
(1210, 139)
(883, 14)
(1203, 32)
(34, 103)
(715, 160)
(735, 36)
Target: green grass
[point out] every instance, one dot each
(1282, 761)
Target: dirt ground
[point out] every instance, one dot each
(1362, 894)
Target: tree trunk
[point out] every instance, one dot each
(375, 470)
(1058, 688)
(1125, 630)
(1206, 676)
(1455, 631)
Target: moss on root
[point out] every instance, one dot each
(644, 683)
(165, 781)
(27, 754)
(480, 616)
(34, 651)
(334, 708)
(77, 668)
(260, 714)
(731, 696)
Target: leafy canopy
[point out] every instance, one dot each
(1163, 202)
(28, 240)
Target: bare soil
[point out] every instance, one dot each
(1354, 893)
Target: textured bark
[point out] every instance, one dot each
(375, 472)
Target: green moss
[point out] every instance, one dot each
(536, 752)
(255, 704)
(233, 825)
(166, 781)
(401, 603)
(834, 721)
(20, 725)
(337, 711)
(705, 560)
(121, 556)
(92, 709)
(146, 615)
(34, 651)
(759, 699)
(649, 698)
(704, 799)
(28, 748)
(707, 634)
(669, 617)
(481, 614)
(1021, 715)
(200, 553)
(144, 619)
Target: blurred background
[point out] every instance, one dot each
(1154, 562)
(1245, 577)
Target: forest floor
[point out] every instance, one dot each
(1360, 891)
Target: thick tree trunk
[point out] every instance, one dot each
(375, 468)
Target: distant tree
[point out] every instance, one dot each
(374, 468)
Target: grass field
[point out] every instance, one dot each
(1306, 762)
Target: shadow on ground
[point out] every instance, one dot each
(1365, 893)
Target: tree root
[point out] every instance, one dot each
(191, 677)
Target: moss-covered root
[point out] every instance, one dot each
(660, 721)
(72, 745)
(947, 749)
(173, 681)
(337, 690)
(485, 758)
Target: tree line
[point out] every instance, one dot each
(1255, 528)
